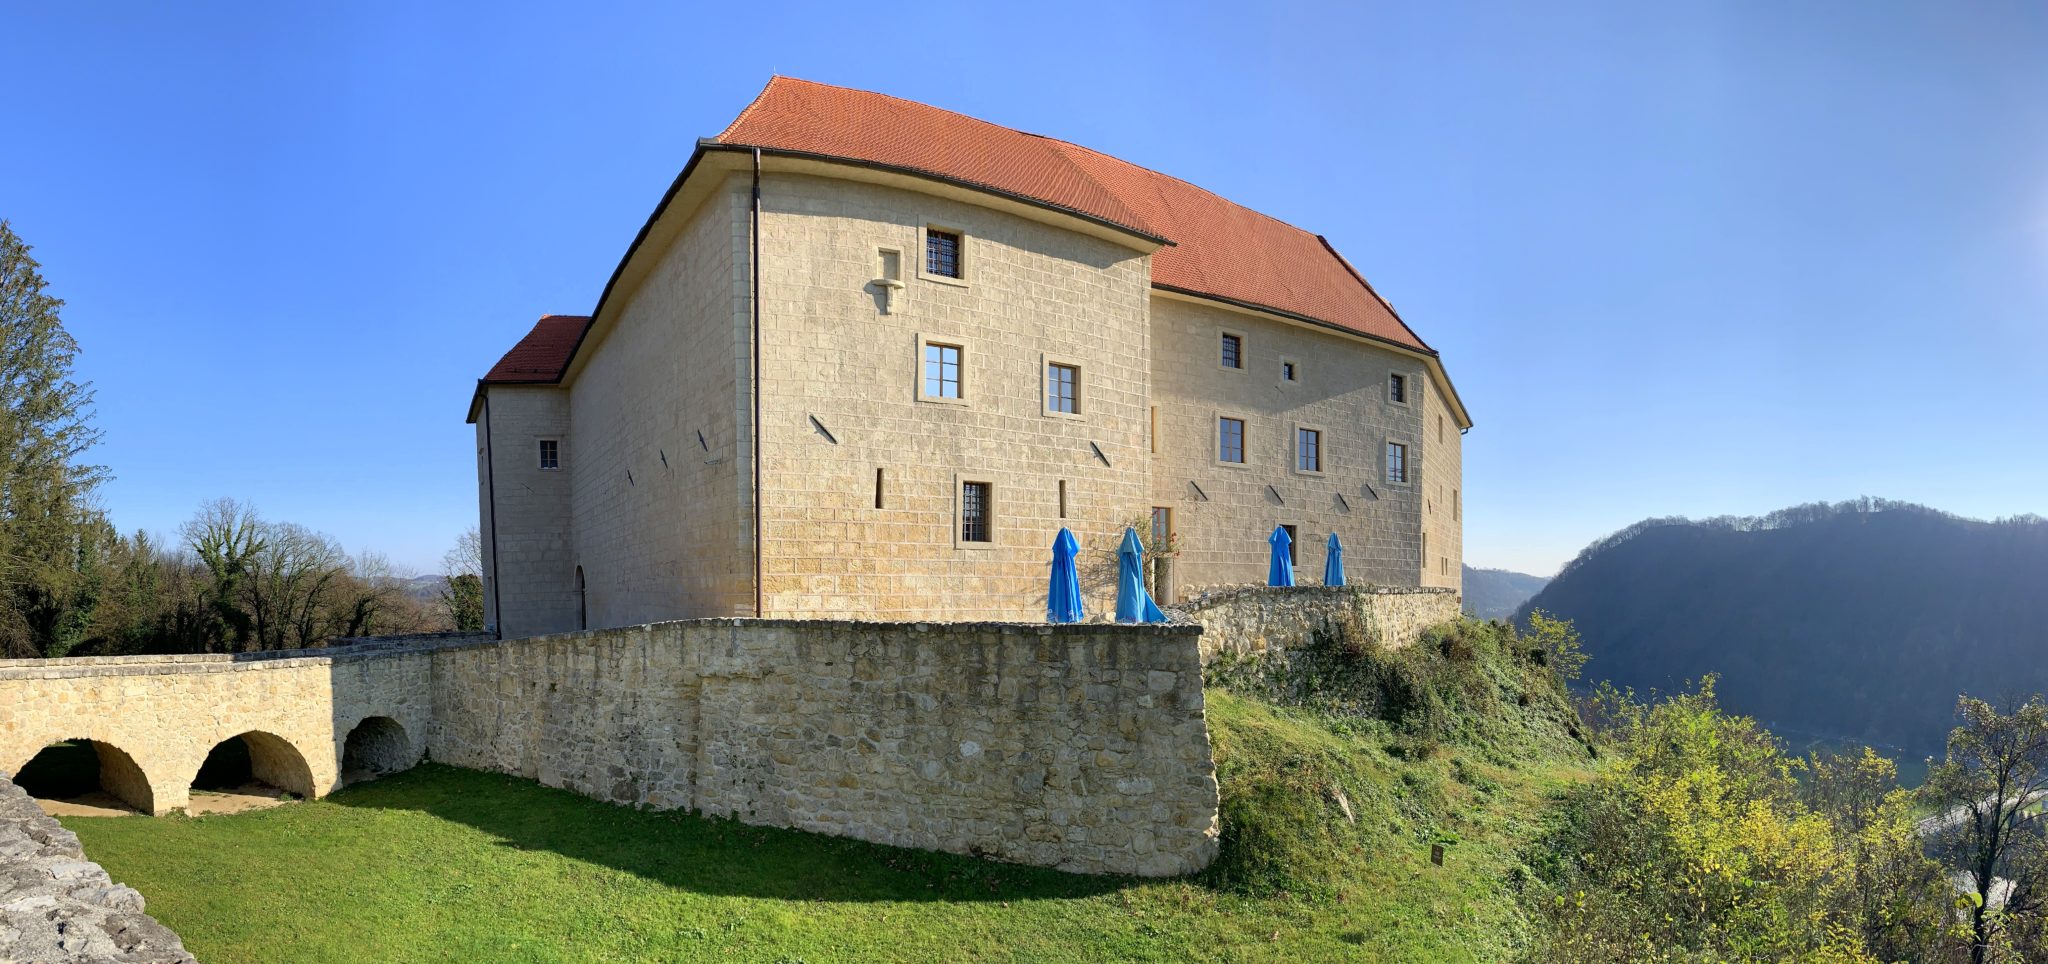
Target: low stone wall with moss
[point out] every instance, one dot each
(1257, 620)
(57, 906)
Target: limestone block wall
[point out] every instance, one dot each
(153, 719)
(55, 905)
(1223, 512)
(660, 409)
(1442, 487)
(1257, 620)
(842, 413)
(1078, 747)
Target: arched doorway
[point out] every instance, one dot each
(376, 747)
(243, 770)
(86, 778)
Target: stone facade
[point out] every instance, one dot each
(1077, 747)
(1223, 512)
(842, 409)
(1262, 620)
(860, 477)
(58, 907)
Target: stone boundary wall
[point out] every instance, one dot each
(1254, 620)
(1078, 747)
(57, 906)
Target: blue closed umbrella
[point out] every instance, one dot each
(1333, 562)
(1281, 571)
(1063, 598)
(1133, 603)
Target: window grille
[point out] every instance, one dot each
(1233, 351)
(941, 253)
(1397, 388)
(974, 512)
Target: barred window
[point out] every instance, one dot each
(974, 512)
(1397, 462)
(941, 253)
(1397, 388)
(1230, 440)
(1233, 351)
(942, 371)
(550, 454)
(1060, 384)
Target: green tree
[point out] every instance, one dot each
(49, 551)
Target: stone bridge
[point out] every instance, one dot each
(306, 716)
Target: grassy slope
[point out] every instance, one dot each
(447, 864)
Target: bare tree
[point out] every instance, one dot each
(462, 593)
(226, 536)
(1989, 822)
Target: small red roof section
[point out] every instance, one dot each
(543, 354)
(1218, 248)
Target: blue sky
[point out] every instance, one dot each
(1680, 258)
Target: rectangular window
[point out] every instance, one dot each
(1061, 382)
(1162, 528)
(550, 454)
(941, 253)
(974, 512)
(1233, 351)
(1397, 388)
(1230, 440)
(1308, 450)
(942, 371)
(1397, 462)
(1293, 547)
(1287, 371)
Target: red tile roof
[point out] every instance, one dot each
(541, 356)
(1219, 248)
(1216, 248)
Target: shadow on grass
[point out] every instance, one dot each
(704, 855)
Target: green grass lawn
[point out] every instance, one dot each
(440, 863)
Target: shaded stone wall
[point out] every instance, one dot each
(1078, 747)
(57, 906)
(1255, 620)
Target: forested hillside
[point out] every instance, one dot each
(1861, 620)
(1497, 593)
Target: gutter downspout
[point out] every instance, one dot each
(755, 357)
(491, 489)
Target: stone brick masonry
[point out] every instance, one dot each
(1077, 747)
(1252, 621)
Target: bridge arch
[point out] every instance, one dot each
(77, 767)
(376, 746)
(256, 756)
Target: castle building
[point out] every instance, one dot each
(867, 357)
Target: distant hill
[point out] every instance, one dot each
(1861, 620)
(1497, 593)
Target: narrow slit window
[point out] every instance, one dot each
(1308, 450)
(1155, 429)
(942, 371)
(1233, 351)
(1230, 440)
(878, 488)
(550, 454)
(1062, 384)
(1397, 462)
(1063, 498)
(1457, 506)
(942, 253)
(974, 511)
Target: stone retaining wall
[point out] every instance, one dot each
(56, 906)
(1254, 620)
(1077, 747)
